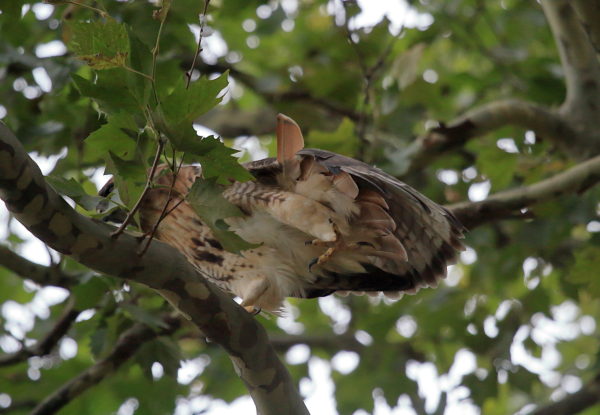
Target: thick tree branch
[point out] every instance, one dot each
(581, 68)
(50, 340)
(37, 206)
(588, 12)
(39, 274)
(586, 397)
(577, 179)
(544, 122)
(127, 345)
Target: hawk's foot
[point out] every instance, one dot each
(332, 247)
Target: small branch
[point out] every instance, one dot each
(165, 210)
(479, 121)
(138, 203)
(588, 12)
(274, 98)
(577, 179)
(39, 274)
(128, 344)
(203, 18)
(586, 397)
(228, 121)
(45, 345)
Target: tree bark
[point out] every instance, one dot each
(41, 210)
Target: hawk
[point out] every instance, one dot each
(322, 222)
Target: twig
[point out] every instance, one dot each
(577, 179)
(49, 341)
(188, 74)
(365, 113)
(128, 344)
(137, 205)
(39, 274)
(164, 213)
(76, 3)
(490, 117)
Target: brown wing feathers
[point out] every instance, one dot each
(410, 236)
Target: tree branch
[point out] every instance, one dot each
(588, 12)
(577, 179)
(274, 97)
(37, 206)
(127, 345)
(490, 117)
(587, 396)
(45, 345)
(228, 121)
(39, 274)
(580, 65)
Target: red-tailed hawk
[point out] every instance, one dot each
(324, 223)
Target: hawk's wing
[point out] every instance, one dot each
(407, 240)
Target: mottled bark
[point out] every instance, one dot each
(581, 69)
(40, 209)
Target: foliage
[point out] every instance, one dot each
(118, 97)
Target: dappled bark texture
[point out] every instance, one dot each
(39, 208)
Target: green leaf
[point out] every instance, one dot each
(206, 197)
(88, 294)
(98, 340)
(144, 316)
(129, 176)
(162, 350)
(12, 9)
(115, 136)
(75, 191)
(110, 89)
(405, 66)
(102, 45)
(216, 159)
(140, 59)
(183, 105)
(585, 269)
(343, 140)
(497, 165)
